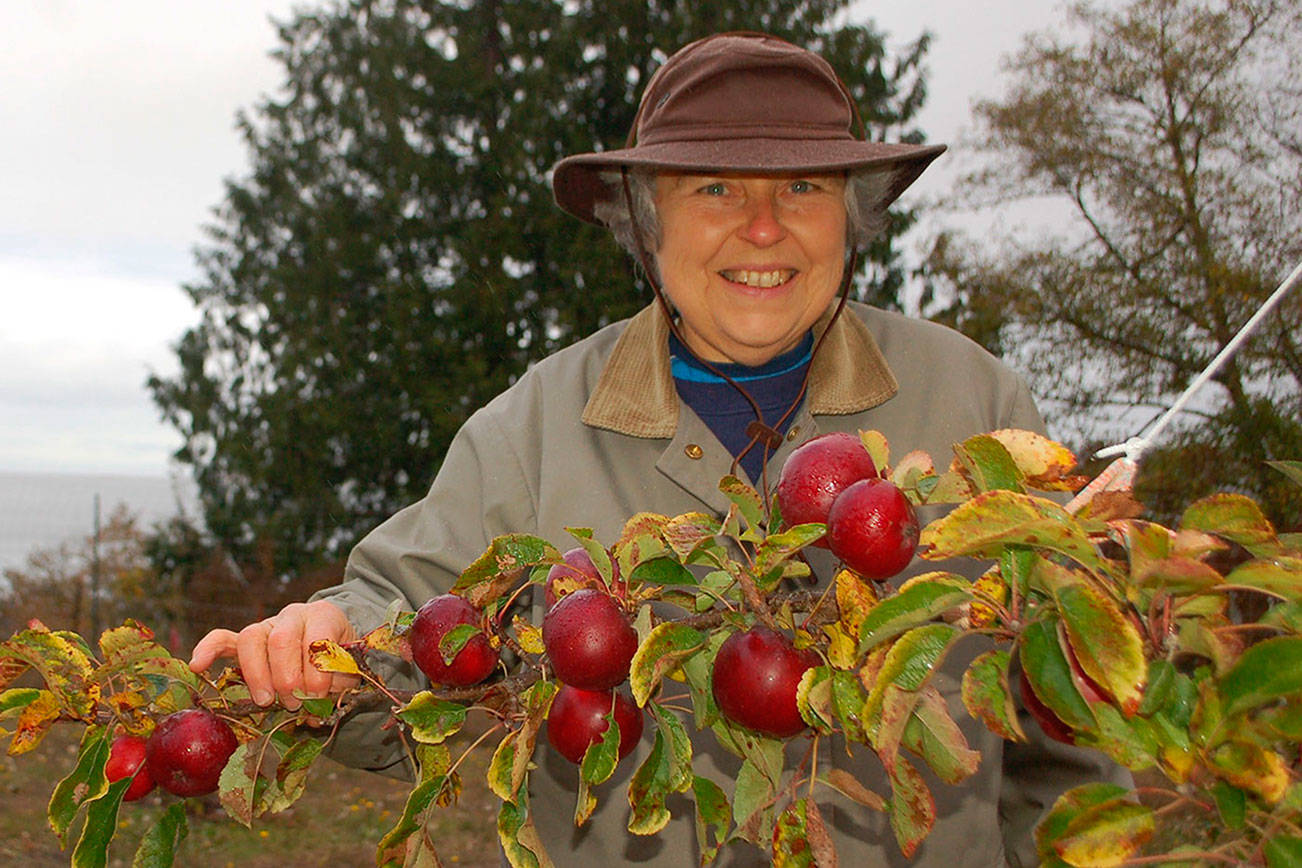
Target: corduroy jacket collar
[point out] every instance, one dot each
(635, 394)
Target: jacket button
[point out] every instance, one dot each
(693, 451)
(793, 434)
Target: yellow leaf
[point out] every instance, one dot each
(529, 636)
(1047, 464)
(854, 599)
(841, 646)
(878, 449)
(991, 584)
(329, 656)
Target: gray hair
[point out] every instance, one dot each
(866, 192)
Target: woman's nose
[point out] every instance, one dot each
(763, 225)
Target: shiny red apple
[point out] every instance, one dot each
(577, 718)
(187, 751)
(816, 472)
(589, 640)
(126, 759)
(755, 677)
(435, 619)
(873, 528)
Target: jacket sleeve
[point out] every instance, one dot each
(479, 492)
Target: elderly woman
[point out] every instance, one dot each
(743, 192)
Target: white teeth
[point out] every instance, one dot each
(760, 279)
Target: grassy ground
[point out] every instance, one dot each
(337, 822)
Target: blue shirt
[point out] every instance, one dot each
(774, 386)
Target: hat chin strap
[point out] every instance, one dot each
(760, 433)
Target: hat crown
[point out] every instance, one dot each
(741, 86)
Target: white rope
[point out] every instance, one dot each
(1134, 448)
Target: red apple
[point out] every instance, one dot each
(816, 472)
(873, 529)
(578, 718)
(187, 751)
(755, 677)
(589, 640)
(473, 663)
(127, 759)
(577, 572)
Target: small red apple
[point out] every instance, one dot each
(816, 472)
(873, 529)
(755, 677)
(474, 662)
(127, 758)
(578, 572)
(578, 718)
(589, 640)
(187, 751)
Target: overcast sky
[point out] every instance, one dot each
(118, 123)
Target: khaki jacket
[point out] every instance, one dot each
(595, 433)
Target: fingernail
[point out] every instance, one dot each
(262, 697)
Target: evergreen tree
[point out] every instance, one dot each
(394, 258)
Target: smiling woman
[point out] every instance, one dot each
(750, 262)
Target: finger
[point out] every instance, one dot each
(325, 621)
(285, 650)
(217, 644)
(252, 645)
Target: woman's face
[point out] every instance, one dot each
(749, 261)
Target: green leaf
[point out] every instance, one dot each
(393, 845)
(18, 697)
(662, 571)
(1283, 851)
(987, 697)
(432, 719)
(1279, 576)
(648, 790)
(907, 666)
(753, 793)
(294, 767)
(101, 825)
(1231, 803)
(85, 782)
(451, 643)
(1233, 516)
(1106, 643)
(1268, 670)
(239, 783)
(158, 845)
(987, 465)
(778, 548)
(1107, 834)
(1049, 673)
(985, 525)
(747, 500)
(712, 816)
(505, 554)
(932, 734)
(663, 651)
(925, 598)
(1161, 685)
(1069, 806)
(601, 757)
(500, 780)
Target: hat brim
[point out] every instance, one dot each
(577, 184)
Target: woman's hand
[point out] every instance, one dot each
(273, 653)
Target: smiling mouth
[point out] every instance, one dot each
(759, 279)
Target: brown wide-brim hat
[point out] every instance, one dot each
(742, 102)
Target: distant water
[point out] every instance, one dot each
(43, 510)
